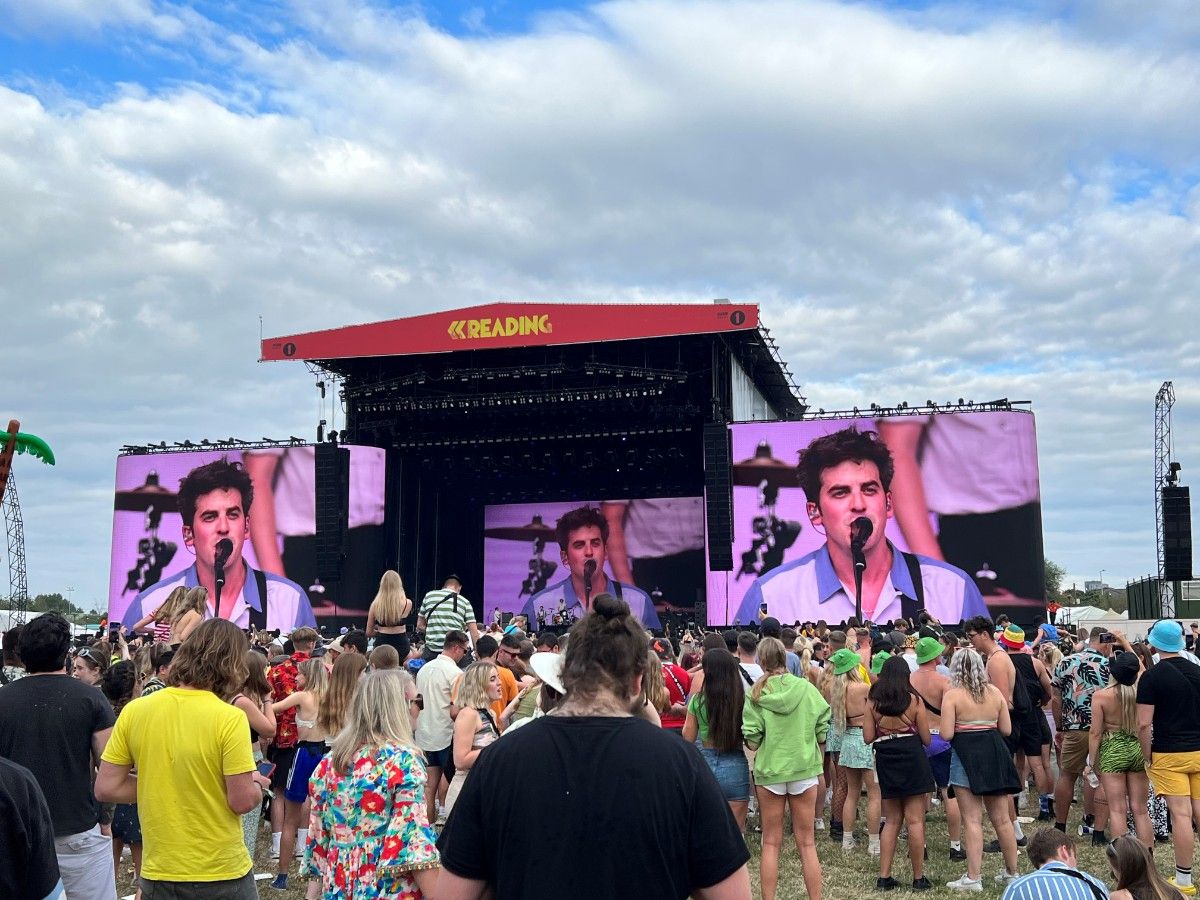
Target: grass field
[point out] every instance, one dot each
(847, 876)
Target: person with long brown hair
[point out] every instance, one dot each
(897, 727)
(714, 718)
(642, 815)
(335, 703)
(118, 686)
(254, 699)
(1134, 870)
(786, 720)
(194, 767)
(386, 615)
(371, 785)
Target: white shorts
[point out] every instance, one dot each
(793, 788)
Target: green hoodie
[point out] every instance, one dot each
(788, 723)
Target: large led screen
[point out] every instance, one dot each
(536, 555)
(963, 499)
(272, 535)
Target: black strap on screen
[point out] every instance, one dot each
(910, 607)
(617, 591)
(258, 617)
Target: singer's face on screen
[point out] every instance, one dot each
(584, 544)
(849, 490)
(218, 515)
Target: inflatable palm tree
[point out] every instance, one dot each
(16, 441)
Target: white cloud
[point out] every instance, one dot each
(923, 210)
(88, 17)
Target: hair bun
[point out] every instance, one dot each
(609, 607)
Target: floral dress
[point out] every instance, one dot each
(368, 831)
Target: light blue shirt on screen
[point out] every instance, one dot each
(808, 589)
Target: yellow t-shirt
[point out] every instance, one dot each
(184, 743)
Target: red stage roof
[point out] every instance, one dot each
(513, 325)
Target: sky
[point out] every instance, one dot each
(927, 200)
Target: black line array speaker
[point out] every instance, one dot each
(333, 510)
(1177, 534)
(718, 495)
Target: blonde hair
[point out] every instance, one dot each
(473, 693)
(1050, 656)
(654, 686)
(967, 671)
(1127, 703)
(390, 600)
(195, 600)
(837, 694)
(772, 656)
(385, 657)
(167, 611)
(316, 679)
(378, 715)
(335, 703)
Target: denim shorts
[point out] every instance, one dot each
(731, 771)
(958, 775)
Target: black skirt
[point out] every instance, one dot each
(902, 768)
(987, 762)
(399, 641)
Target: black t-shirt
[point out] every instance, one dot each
(633, 810)
(1173, 687)
(30, 869)
(46, 725)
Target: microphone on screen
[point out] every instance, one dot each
(860, 531)
(224, 551)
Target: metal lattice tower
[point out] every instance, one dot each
(18, 586)
(1163, 401)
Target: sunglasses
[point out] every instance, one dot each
(89, 653)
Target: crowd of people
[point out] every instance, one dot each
(452, 761)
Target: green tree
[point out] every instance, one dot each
(52, 603)
(1054, 579)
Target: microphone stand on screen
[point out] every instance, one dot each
(224, 549)
(589, 568)
(860, 530)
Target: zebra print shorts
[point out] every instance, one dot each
(1120, 752)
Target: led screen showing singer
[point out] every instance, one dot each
(846, 477)
(215, 500)
(582, 536)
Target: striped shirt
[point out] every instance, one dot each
(1051, 883)
(443, 611)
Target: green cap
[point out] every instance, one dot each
(878, 660)
(928, 648)
(844, 660)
